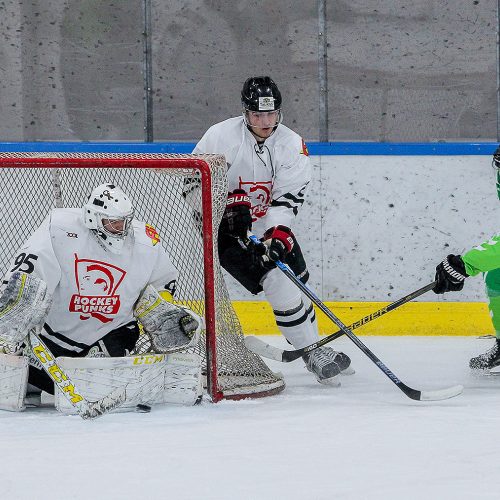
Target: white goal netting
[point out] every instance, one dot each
(183, 197)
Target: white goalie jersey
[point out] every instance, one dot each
(275, 174)
(94, 290)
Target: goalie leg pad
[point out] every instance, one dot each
(13, 382)
(183, 380)
(149, 379)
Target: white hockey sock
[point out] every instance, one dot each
(294, 313)
(296, 325)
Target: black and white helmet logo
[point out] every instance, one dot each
(107, 194)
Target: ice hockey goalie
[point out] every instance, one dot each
(90, 281)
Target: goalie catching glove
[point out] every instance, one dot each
(24, 305)
(169, 326)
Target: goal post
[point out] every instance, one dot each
(183, 197)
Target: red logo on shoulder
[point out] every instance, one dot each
(153, 234)
(304, 151)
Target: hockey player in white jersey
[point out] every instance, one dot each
(103, 270)
(268, 174)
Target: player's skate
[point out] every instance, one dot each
(327, 364)
(489, 361)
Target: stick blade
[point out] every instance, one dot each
(262, 349)
(441, 394)
(98, 408)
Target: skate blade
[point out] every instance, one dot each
(348, 371)
(495, 371)
(492, 372)
(332, 381)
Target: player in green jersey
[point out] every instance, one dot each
(485, 258)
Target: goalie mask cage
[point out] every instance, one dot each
(183, 197)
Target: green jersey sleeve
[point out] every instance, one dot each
(485, 257)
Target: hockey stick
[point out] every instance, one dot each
(285, 356)
(414, 394)
(86, 409)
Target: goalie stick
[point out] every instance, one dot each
(436, 395)
(86, 409)
(286, 356)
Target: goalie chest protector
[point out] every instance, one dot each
(94, 289)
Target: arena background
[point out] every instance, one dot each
(374, 227)
(419, 70)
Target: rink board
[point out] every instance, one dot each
(378, 219)
(415, 318)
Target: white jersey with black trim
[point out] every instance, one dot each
(275, 174)
(94, 290)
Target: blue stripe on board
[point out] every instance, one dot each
(315, 148)
(98, 147)
(402, 148)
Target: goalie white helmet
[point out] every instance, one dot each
(109, 213)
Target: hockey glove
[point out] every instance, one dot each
(450, 275)
(237, 218)
(170, 326)
(281, 242)
(257, 252)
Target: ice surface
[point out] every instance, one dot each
(364, 440)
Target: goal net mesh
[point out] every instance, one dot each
(166, 190)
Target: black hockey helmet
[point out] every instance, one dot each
(260, 93)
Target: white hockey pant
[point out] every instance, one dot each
(293, 311)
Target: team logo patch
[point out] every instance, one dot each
(266, 103)
(97, 284)
(260, 196)
(153, 234)
(304, 151)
